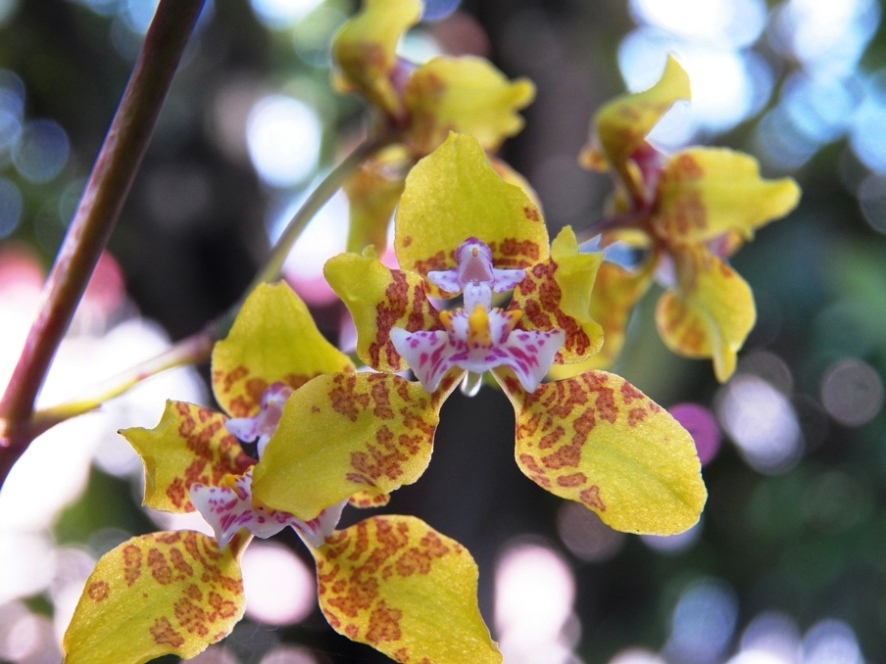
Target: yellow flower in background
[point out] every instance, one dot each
(690, 211)
(419, 103)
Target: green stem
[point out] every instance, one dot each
(193, 350)
(314, 202)
(100, 206)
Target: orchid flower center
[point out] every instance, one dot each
(478, 337)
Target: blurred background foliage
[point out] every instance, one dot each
(787, 565)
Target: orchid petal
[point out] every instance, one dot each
(190, 444)
(165, 593)
(263, 425)
(710, 314)
(478, 342)
(230, 507)
(465, 95)
(259, 350)
(598, 440)
(395, 583)
(704, 193)
(426, 353)
(621, 125)
(455, 194)
(380, 299)
(342, 434)
(556, 295)
(616, 293)
(475, 275)
(365, 51)
(373, 193)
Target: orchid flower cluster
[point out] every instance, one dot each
(480, 289)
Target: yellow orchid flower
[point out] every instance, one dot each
(420, 104)
(461, 229)
(691, 210)
(181, 591)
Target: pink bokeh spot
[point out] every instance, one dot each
(106, 289)
(702, 426)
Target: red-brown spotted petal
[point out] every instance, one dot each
(346, 434)
(273, 340)
(556, 295)
(598, 440)
(379, 300)
(395, 583)
(164, 593)
(189, 445)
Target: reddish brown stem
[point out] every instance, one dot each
(106, 191)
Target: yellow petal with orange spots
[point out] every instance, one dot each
(706, 192)
(556, 295)
(455, 194)
(346, 434)
(274, 339)
(466, 95)
(373, 191)
(365, 51)
(379, 299)
(711, 312)
(190, 444)
(598, 440)
(616, 292)
(165, 593)
(620, 127)
(395, 583)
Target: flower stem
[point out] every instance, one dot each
(192, 350)
(314, 202)
(100, 206)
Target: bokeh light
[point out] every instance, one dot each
(12, 102)
(852, 392)
(826, 37)
(872, 201)
(534, 594)
(867, 139)
(138, 14)
(280, 589)
(42, 150)
(7, 10)
(436, 10)
(281, 14)
(10, 207)
(761, 422)
(702, 425)
(283, 136)
(738, 22)
(831, 642)
(290, 655)
(585, 535)
(773, 635)
(729, 82)
(703, 622)
(637, 656)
